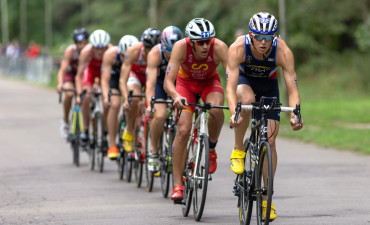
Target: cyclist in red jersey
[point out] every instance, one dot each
(112, 63)
(88, 74)
(193, 65)
(252, 72)
(158, 59)
(67, 73)
(133, 77)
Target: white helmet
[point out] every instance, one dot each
(263, 23)
(126, 42)
(99, 38)
(200, 28)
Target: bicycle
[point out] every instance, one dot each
(97, 147)
(250, 185)
(164, 148)
(76, 128)
(197, 164)
(135, 159)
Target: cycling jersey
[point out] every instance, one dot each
(138, 68)
(115, 72)
(92, 71)
(197, 77)
(192, 69)
(70, 74)
(159, 91)
(253, 67)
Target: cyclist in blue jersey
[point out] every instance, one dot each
(252, 73)
(111, 66)
(157, 62)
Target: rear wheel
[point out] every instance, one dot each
(201, 171)
(245, 187)
(100, 146)
(165, 160)
(138, 163)
(149, 176)
(76, 140)
(264, 185)
(121, 157)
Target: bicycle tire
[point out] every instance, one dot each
(245, 187)
(149, 176)
(166, 160)
(76, 146)
(121, 157)
(188, 190)
(201, 171)
(128, 167)
(265, 150)
(138, 162)
(98, 135)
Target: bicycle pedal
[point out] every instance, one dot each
(178, 202)
(209, 177)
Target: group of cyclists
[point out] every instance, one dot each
(168, 64)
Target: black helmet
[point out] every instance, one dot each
(80, 34)
(151, 37)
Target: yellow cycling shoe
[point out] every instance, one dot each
(272, 211)
(128, 144)
(237, 161)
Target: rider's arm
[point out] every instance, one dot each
(83, 61)
(108, 61)
(177, 56)
(220, 52)
(153, 61)
(285, 59)
(130, 57)
(235, 57)
(67, 58)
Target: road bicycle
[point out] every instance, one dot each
(251, 186)
(76, 128)
(135, 160)
(97, 145)
(165, 147)
(197, 164)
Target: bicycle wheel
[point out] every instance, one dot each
(121, 157)
(166, 160)
(138, 163)
(188, 183)
(244, 187)
(99, 146)
(264, 185)
(201, 171)
(149, 176)
(128, 164)
(76, 139)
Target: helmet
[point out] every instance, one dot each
(170, 35)
(99, 38)
(126, 42)
(263, 23)
(80, 34)
(151, 37)
(200, 28)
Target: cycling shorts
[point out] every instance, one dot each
(263, 87)
(160, 93)
(137, 79)
(69, 77)
(114, 82)
(89, 76)
(191, 88)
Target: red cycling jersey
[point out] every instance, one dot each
(92, 71)
(139, 66)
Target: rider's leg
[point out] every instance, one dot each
(112, 120)
(67, 102)
(131, 115)
(156, 126)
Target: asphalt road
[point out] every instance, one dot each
(39, 184)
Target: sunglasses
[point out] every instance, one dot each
(260, 37)
(202, 42)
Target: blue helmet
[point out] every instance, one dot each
(170, 35)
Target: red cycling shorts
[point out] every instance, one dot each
(190, 88)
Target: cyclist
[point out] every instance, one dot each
(112, 62)
(133, 77)
(67, 73)
(88, 75)
(258, 54)
(193, 65)
(157, 63)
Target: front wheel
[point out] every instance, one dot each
(149, 176)
(99, 136)
(76, 138)
(264, 183)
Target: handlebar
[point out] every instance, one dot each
(168, 101)
(131, 95)
(112, 94)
